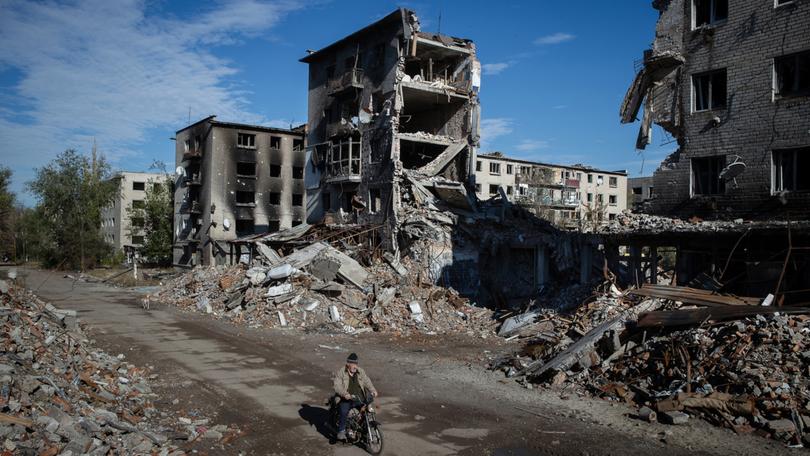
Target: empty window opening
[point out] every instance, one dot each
(709, 12)
(415, 154)
(495, 168)
(298, 172)
(706, 175)
(245, 197)
(273, 225)
(296, 222)
(375, 199)
(297, 199)
(197, 143)
(275, 170)
(137, 222)
(247, 169)
(275, 198)
(244, 227)
(590, 197)
(650, 192)
(139, 186)
(275, 142)
(790, 170)
(478, 165)
(637, 190)
(613, 182)
(298, 144)
(186, 145)
(138, 204)
(509, 169)
(792, 74)
(709, 90)
(612, 200)
(493, 189)
(590, 178)
(246, 140)
(509, 190)
(600, 198)
(137, 240)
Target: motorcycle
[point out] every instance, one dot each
(362, 427)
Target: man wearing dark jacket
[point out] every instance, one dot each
(352, 385)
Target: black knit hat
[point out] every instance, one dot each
(352, 358)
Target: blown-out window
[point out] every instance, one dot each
(709, 90)
(790, 170)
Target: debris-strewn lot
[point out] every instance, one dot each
(59, 395)
(313, 298)
(673, 353)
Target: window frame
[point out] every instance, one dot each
(497, 168)
(242, 203)
(713, 21)
(250, 136)
(710, 95)
(796, 171)
(613, 181)
(255, 168)
(721, 185)
(796, 56)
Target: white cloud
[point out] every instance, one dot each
(113, 71)
(554, 38)
(495, 68)
(494, 128)
(528, 145)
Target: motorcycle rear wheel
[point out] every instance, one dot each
(377, 446)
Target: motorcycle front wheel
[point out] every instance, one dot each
(374, 442)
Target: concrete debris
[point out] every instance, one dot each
(401, 299)
(60, 395)
(750, 373)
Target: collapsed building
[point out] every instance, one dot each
(729, 80)
(234, 180)
(384, 101)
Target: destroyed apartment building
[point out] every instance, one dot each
(387, 101)
(234, 180)
(730, 82)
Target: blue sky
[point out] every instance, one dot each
(127, 73)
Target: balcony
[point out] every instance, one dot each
(195, 180)
(343, 161)
(352, 79)
(571, 183)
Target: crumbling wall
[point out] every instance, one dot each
(754, 122)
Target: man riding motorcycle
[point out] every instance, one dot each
(351, 384)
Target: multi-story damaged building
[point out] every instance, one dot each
(384, 101)
(234, 180)
(730, 81)
(573, 196)
(640, 190)
(119, 229)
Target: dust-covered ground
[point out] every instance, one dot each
(437, 398)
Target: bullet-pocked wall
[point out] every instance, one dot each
(235, 180)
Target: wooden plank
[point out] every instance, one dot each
(693, 296)
(11, 419)
(690, 317)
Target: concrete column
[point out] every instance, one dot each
(541, 270)
(653, 265)
(585, 263)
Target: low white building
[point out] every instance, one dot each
(116, 225)
(566, 194)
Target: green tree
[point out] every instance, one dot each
(71, 191)
(154, 221)
(7, 215)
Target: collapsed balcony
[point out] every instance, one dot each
(345, 83)
(441, 65)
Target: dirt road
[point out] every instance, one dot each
(436, 397)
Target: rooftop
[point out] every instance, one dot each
(578, 167)
(299, 130)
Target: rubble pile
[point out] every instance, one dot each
(749, 373)
(318, 297)
(59, 395)
(629, 222)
